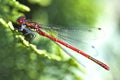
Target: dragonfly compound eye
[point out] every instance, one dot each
(21, 19)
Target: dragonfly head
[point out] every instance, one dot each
(21, 20)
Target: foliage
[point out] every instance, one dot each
(20, 60)
(67, 12)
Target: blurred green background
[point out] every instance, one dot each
(48, 62)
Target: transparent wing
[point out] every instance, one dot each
(80, 37)
(84, 32)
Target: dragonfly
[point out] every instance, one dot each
(27, 25)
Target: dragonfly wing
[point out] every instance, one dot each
(80, 38)
(71, 55)
(84, 33)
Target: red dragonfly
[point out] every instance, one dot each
(26, 24)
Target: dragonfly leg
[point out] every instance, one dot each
(29, 35)
(20, 28)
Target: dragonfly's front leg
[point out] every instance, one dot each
(29, 35)
(21, 28)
